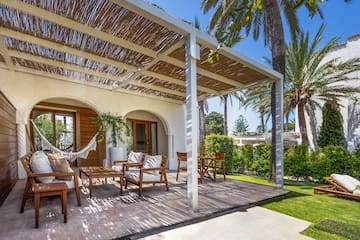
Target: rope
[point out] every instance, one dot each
(71, 156)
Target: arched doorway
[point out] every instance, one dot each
(69, 125)
(147, 133)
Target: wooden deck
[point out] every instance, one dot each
(108, 215)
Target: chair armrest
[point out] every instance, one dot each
(54, 174)
(119, 161)
(127, 165)
(151, 169)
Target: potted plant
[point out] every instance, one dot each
(116, 127)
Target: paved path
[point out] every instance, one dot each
(255, 223)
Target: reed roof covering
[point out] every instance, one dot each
(104, 44)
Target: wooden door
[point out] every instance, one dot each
(141, 135)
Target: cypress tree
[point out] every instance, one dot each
(331, 131)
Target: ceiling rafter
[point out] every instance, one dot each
(85, 70)
(5, 52)
(153, 62)
(71, 24)
(67, 79)
(66, 49)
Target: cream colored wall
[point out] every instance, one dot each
(25, 90)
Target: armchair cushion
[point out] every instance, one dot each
(135, 157)
(59, 164)
(147, 177)
(152, 162)
(39, 163)
(70, 183)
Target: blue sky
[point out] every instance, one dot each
(341, 20)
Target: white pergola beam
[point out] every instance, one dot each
(5, 53)
(81, 82)
(192, 122)
(93, 57)
(71, 24)
(76, 68)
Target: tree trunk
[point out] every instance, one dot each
(302, 123)
(202, 129)
(225, 97)
(262, 122)
(273, 17)
(287, 121)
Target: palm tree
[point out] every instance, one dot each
(256, 17)
(310, 80)
(203, 107)
(258, 97)
(224, 99)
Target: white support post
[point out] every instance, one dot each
(171, 152)
(192, 121)
(279, 86)
(21, 144)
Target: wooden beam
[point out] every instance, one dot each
(5, 53)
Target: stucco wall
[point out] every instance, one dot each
(346, 51)
(25, 90)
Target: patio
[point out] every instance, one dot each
(108, 215)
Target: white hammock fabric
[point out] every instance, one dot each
(71, 156)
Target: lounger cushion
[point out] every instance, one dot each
(345, 182)
(152, 162)
(147, 177)
(39, 163)
(356, 192)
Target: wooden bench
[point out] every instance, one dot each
(46, 190)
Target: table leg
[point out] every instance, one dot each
(90, 186)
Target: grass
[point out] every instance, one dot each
(302, 204)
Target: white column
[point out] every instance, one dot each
(279, 133)
(171, 161)
(192, 121)
(21, 145)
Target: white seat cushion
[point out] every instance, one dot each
(147, 177)
(353, 180)
(344, 181)
(39, 163)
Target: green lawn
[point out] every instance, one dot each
(301, 203)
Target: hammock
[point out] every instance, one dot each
(71, 156)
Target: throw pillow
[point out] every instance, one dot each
(152, 162)
(39, 163)
(59, 164)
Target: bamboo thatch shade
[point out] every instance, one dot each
(101, 43)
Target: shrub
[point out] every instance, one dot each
(261, 160)
(297, 161)
(333, 159)
(237, 159)
(247, 157)
(221, 143)
(355, 164)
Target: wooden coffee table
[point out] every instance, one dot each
(100, 172)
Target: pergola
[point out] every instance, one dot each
(132, 47)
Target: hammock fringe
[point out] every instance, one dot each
(71, 156)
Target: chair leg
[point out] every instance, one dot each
(223, 168)
(166, 183)
(37, 206)
(25, 194)
(64, 204)
(140, 189)
(177, 173)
